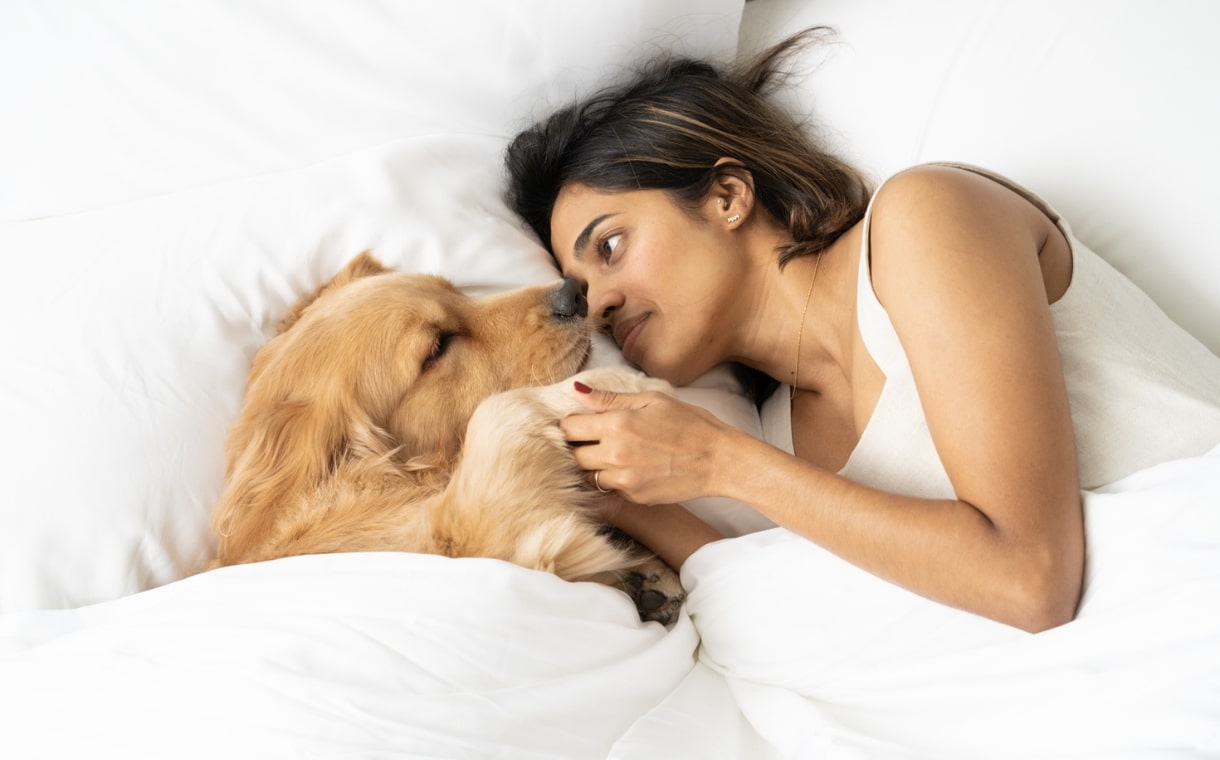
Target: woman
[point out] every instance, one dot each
(954, 365)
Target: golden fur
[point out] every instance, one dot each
(351, 435)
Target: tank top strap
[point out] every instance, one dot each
(873, 321)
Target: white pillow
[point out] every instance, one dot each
(112, 101)
(1102, 108)
(177, 173)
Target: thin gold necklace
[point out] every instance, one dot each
(801, 334)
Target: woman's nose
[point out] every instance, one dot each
(568, 300)
(603, 301)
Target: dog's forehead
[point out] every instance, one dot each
(382, 304)
(409, 283)
(410, 292)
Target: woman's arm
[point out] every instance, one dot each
(669, 530)
(955, 264)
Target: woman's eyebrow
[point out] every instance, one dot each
(582, 240)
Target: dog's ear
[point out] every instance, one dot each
(364, 265)
(276, 457)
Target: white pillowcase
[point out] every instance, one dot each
(176, 174)
(112, 101)
(1095, 106)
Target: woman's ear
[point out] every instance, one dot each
(731, 198)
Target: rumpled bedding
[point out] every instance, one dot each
(824, 660)
(783, 651)
(345, 655)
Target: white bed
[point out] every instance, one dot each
(174, 173)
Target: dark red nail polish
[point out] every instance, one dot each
(582, 388)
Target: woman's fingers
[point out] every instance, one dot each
(648, 446)
(598, 400)
(579, 428)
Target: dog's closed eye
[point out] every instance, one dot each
(440, 345)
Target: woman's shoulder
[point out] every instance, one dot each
(973, 194)
(961, 216)
(936, 217)
(931, 187)
(937, 203)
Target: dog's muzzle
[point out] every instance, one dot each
(568, 300)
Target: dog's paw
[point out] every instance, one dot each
(657, 592)
(621, 380)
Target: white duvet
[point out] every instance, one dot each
(832, 662)
(348, 655)
(798, 655)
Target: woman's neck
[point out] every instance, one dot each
(810, 303)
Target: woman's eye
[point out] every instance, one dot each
(439, 347)
(608, 246)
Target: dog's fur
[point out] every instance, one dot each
(383, 416)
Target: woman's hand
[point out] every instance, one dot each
(650, 447)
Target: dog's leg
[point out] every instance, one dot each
(653, 586)
(518, 495)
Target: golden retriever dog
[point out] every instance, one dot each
(393, 413)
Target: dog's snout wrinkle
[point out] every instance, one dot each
(568, 300)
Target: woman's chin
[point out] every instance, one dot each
(677, 374)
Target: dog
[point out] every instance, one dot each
(391, 412)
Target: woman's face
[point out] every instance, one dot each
(659, 278)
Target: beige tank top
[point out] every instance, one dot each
(1142, 390)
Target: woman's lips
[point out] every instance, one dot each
(627, 333)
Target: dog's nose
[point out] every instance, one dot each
(568, 300)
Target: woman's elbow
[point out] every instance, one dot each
(1046, 612)
(1048, 592)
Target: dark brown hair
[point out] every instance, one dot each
(668, 128)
